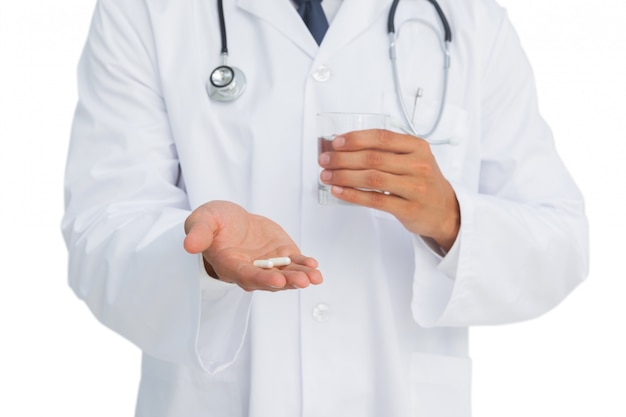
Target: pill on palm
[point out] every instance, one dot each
(263, 263)
(282, 261)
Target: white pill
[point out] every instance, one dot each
(283, 261)
(263, 263)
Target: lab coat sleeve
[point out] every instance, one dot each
(523, 242)
(126, 206)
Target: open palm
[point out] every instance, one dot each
(230, 239)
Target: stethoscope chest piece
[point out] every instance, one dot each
(226, 83)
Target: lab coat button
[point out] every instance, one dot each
(322, 313)
(321, 74)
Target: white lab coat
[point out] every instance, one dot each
(386, 333)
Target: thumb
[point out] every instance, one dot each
(199, 237)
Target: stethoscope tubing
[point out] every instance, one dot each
(391, 30)
(220, 12)
(234, 88)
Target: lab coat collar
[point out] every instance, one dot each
(353, 17)
(283, 16)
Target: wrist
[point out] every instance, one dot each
(449, 227)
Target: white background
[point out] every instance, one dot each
(55, 359)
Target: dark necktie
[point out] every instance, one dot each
(314, 17)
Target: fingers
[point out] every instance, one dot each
(385, 201)
(371, 180)
(300, 259)
(379, 160)
(378, 150)
(303, 275)
(378, 139)
(367, 159)
(300, 273)
(293, 276)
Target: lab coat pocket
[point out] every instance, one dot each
(449, 141)
(440, 386)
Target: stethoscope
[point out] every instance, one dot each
(227, 83)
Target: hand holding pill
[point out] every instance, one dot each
(246, 249)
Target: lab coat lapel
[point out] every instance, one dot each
(283, 16)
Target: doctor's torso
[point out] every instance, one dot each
(268, 134)
(350, 346)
